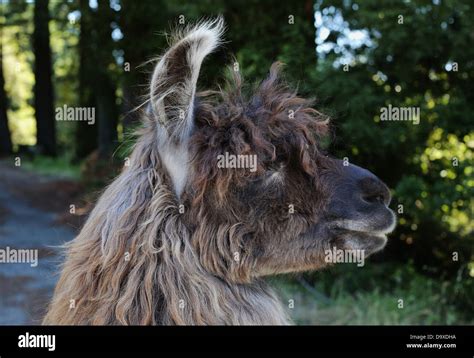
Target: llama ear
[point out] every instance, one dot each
(172, 93)
(173, 84)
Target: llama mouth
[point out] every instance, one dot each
(363, 235)
(376, 235)
(368, 241)
(364, 227)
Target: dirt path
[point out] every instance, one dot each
(34, 212)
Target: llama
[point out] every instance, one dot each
(178, 240)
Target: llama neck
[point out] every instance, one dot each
(191, 295)
(222, 304)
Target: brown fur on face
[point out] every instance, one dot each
(280, 200)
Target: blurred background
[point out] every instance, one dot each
(354, 57)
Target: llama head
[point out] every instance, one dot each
(258, 194)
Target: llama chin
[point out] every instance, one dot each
(178, 239)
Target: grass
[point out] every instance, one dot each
(425, 301)
(59, 166)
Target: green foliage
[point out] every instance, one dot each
(60, 166)
(370, 295)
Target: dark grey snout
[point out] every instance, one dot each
(372, 189)
(361, 198)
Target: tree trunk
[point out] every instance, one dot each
(85, 134)
(43, 89)
(5, 139)
(107, 110)
(104, 85)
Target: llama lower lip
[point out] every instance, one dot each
(368, 240)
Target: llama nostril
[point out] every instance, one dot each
(373, 191)
(374, 199)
